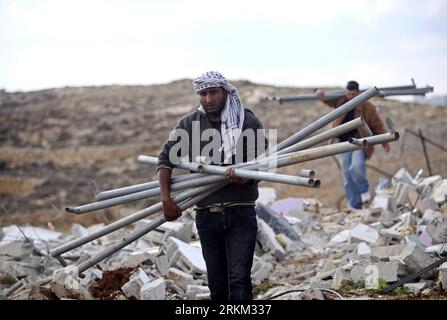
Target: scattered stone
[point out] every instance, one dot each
(132, 288)
(154, 290)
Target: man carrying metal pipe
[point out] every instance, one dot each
(355, 178)
(226, 219)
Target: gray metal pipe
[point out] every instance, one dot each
(307, 173)
(323, 136)
(358, 142)
(335, 95)
(412, 92)
(139, 233)
(143, 186)
(125, 221)
(324, 120)
(330, 150)
(142, 195)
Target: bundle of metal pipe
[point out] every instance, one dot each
(193, 187)
(386, 92)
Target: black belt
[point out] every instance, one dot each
(221, 207)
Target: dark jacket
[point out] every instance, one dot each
(232, 192)
(368, 112)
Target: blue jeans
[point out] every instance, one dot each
(355, 180)
(228, 242)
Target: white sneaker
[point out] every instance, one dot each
(366, 197)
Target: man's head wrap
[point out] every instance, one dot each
(232, 115)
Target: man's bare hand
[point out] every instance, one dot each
(232, 177)
(320, 93)
(171, 210)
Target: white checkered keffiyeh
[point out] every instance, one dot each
(232, 115)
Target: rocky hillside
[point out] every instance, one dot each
(54, 142)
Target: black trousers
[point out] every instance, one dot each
(228, 242)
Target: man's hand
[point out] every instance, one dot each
(386, 147)
(232, 177)
(171, 210)
(320, 94)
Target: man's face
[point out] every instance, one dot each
(212, 100)
(350, 94)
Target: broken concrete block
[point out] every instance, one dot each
(182, 279)
(16, 250)
(193, 290)
(401, 193)
(443, 276)
(383, 201)
(162, 264)
(415, 287)
(179, 252)
(154, 290)
(179, 230)
(172, 286)
(137, 258)
(137, 280)
(341, 237)
(288, 244)
(440, 192)
(260, 270)
(429, 215)
(278, 223)
(66, 283)
(267, 239)
(365, 233)
(440, 249)
(402, 175)
(363, 250)
(203, 296)
(387, 271)
(340, 278)
(437, 229)
(384, 252)
(371, 215)
(416, 259)
(424, 202)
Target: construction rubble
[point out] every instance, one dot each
(304, 251)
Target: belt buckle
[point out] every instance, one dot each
(216, 209)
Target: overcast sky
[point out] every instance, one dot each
(57, 43)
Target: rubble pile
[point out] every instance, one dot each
(304, 251)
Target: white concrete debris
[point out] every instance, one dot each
(182, 279)
(67, 285)
(415, 287)
(267, 239)
(12, 233)
(137, 280)
(154, 290)
(388, 241)
(415, 259)
(387, 271)
(440, 192)
(260, 270)
(363, 250)
(437, 229)
(195, 292)
(365, 233)
(442, 278)
(188, 256)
